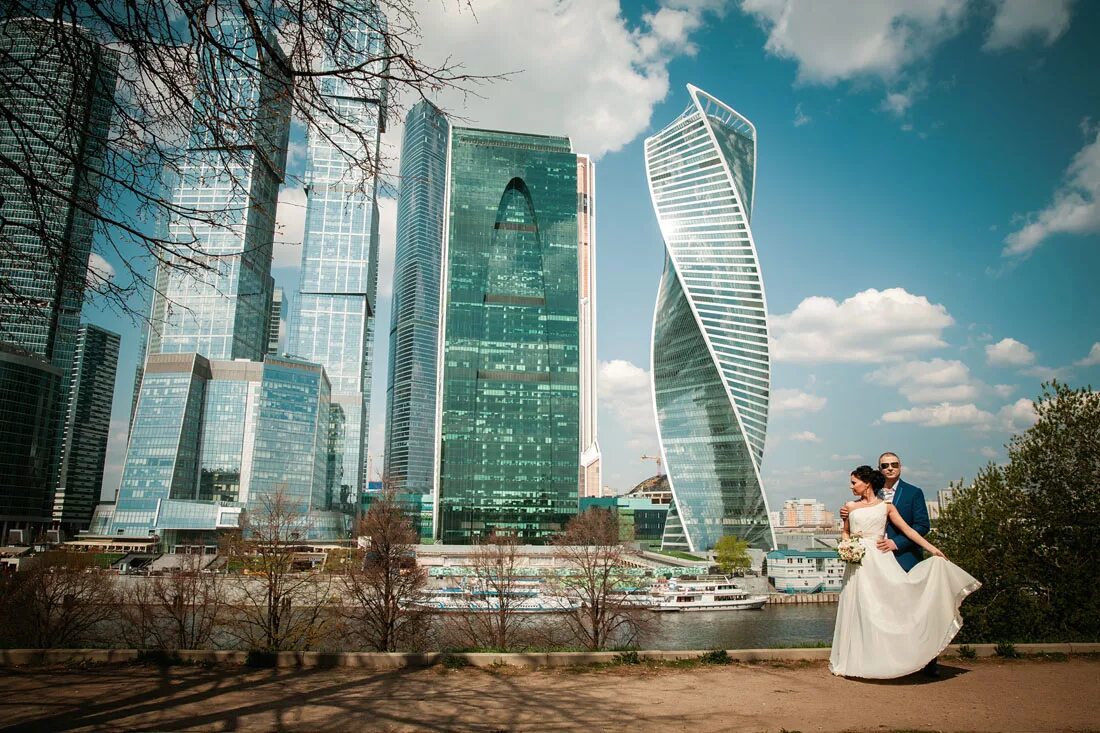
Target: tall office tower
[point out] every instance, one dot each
(710, 363)
(87, 425)
(213, 437)
(414, 311)
(56, 90)
(508, 410)
(333, 322)
(233, 182)
(590, 474)
(275, 320)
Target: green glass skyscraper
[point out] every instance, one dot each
(508, 412)
(56, 91)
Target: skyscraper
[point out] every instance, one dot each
(710, 362)
(333, 313)
(491, 399)
(86, 427)
(56, 90)
(591, 475)
(275, 320)
(509, 405)
(414, 310)
(228, 195)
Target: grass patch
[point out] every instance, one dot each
(628, 657)
(452, 661)
(1007, 650)
(967, 652)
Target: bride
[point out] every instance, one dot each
(890, 623)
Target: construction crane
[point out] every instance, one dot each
(654, 458)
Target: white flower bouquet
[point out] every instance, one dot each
(851, 550)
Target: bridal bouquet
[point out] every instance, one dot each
(851, 551)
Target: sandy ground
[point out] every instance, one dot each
(980, 695)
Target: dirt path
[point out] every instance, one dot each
(982, 695)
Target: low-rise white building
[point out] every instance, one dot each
(805, 571)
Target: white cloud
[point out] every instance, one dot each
(806, 437)
(848, 457)
(1093, 359)
(624, 391)
(795, 400)
(1014, 417)
(834, 42)
(871, 326)
(937, 381)
(988, 452)
(941, 416)
(1045, 373)
(1004, 391)
(583, 71)
(290, 226)
(1009, 352)
(1017, 21)
(100, 271)
(1075, 208)
(1018, 416)
(800, 117)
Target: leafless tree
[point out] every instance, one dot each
(494, 619)
(221, 77)
(179, 610)
(386, 590)
(595, 582)
(64, 600)
(279, 603)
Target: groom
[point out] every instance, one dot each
(909, 501)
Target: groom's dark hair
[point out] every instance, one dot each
(871, 476)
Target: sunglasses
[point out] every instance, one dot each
(884, 466)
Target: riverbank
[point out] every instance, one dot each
(1031, 694)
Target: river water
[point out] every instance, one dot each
(781, 625)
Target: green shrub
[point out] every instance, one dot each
(628, 657)
(967, 652)
(1007, 650)
(716, 656)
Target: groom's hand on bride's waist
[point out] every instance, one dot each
(886, 545)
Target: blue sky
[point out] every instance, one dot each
(927, 210)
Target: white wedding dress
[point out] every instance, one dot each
(890, 623)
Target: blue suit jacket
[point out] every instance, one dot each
(909, 501)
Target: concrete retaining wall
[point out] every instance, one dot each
(384, 661)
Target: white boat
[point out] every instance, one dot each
(705, 593)
(523, 596)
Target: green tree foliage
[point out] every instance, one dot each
(732, 554)
(1030, 531)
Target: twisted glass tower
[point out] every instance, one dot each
(710, 363)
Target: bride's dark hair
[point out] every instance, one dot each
(871, 476)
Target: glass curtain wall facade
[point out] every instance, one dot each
(87, 426)
(213, 438)
(414, 313)
(333, 322)
(275, 320)
(56, 90)
(710, 360)
(221, 309)
(509, 403)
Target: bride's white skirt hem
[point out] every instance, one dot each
(952, 631)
